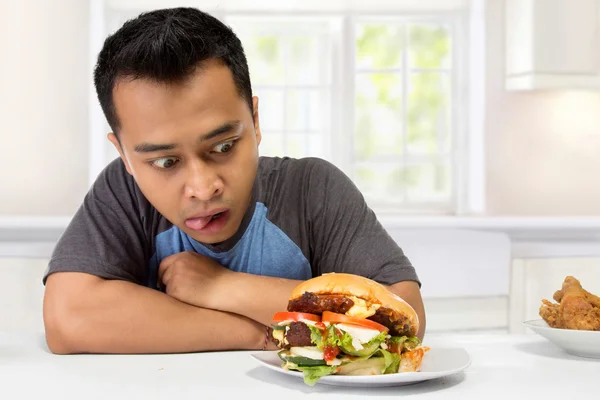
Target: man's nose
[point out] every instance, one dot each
(202, 182)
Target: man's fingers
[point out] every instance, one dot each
(164, 268)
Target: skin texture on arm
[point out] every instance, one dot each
(258, 297)
(87, 314)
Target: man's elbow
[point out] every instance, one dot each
(60, 329)
(64, 322)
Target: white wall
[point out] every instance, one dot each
(22, 297)
(543, 148)
(43, 106)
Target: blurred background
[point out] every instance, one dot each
(472, 127)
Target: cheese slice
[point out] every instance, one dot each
(279, 334)
(359, 335)
(360, 308)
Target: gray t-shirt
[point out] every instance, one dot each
(306, 218)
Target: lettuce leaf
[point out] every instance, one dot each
(329, 338)
(314, 373)
(405, 342)
(412, 343)
(315, 336)
(392, 361)
(379, 338)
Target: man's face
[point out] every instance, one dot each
(192, 149)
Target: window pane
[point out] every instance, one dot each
(270, 108)
(265, 58)
(388, 184)
(429, 182)
(379, 45)
(381, 184)
(429, 46)
(285, 51)
(305, 144)
(297, 145)
(305, 62)
(306, 110)
(271, 144)
(428, 114)
(378, 124)
(317, 146)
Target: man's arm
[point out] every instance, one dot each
(87, 314)
(259, 297)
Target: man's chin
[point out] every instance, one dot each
(212, 238)
(209, 238)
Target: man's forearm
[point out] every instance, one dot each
(257, 297)
(121, 317)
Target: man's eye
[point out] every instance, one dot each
(165, 163)
(224, 147)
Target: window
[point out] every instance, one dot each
(290, 69)
(403, 96)
(381, 96)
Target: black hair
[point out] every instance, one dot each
(167, 46)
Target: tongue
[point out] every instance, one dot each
(197, 223)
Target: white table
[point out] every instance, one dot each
(504, 366)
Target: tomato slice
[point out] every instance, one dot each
(295, 316)
(346, 319)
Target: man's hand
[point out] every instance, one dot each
(194, 279)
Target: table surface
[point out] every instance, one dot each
(503, 366)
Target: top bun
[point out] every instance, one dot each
(358, 286)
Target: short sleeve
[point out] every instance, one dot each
(106, 236)
(347, 236)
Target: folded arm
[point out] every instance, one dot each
(87, 314)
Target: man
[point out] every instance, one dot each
(189, 241)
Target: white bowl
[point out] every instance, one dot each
(577, 343)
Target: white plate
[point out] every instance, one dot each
(574, 342)
(437, 363)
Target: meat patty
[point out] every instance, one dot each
(397, 323)
(297, 335)
(316, 304)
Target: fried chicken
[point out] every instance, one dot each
(576, 309)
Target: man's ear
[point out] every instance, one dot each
(115, 141)
(255, 119)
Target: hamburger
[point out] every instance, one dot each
(344, 324)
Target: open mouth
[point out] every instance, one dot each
(210, 223)
(217, 215)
